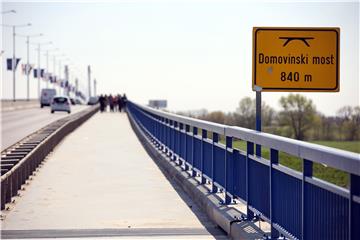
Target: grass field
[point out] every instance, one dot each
(332, 175)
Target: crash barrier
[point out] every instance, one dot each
(295, 204)
(19, 161)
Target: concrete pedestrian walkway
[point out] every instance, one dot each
(100, 182)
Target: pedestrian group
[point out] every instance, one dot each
(115, 103)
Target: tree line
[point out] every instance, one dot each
(298, 118)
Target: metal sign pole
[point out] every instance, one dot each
(258, 118)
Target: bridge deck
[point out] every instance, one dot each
(100, 182)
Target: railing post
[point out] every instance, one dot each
(170, 139)
(162, 122)
(227, 163)
(203, 137)
(156, 132)
(187, 130)
(354, 188)
(181, 128)
(166, 136)
(249, 151)
(307, 172)
(195, 132)
(274, 159)
(174, 142)
(214, 188)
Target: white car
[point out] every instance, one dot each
(60, 103)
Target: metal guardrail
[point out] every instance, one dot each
(20, 160)
(295, 204)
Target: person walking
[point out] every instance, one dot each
(102, 103)
(124, 100)
(120, 102)
(111, 103)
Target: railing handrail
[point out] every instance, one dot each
(210, 126)
(340, 159)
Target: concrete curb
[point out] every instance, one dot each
(222, 215)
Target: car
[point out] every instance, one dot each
(47, 95)
(93, 100)
(60, 103)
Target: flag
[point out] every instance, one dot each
(35, 73)
(9, 63)
(42, 73)
(26, 69)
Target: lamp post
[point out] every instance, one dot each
(47, 65)
(28, 61)
(95, 83)
(61, 62)
(38, 71)
(14, 58)
(54, 66)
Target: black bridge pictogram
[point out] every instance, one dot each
(303, 39)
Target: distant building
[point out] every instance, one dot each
(158, 103)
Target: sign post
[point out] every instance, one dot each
(294, 60)
(258, 118)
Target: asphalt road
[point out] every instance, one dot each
(17, 124)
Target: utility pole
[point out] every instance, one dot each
(89, 80)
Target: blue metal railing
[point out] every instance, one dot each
(296, 204)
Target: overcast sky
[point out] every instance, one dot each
(196, 54)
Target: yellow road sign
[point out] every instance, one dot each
(296, 59)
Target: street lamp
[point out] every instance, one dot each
(57, 57)
(61, 62)
(38, 71)
(14, 59)
(28, 60)
(47, 65)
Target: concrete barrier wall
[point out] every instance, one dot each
(10, 105)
